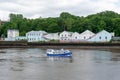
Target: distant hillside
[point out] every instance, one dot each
(107, 20)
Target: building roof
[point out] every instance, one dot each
(102, 32)
(87, 32)
(37, 31)
(67, 32)
(13, 30)
(51, 35)
(75, 33)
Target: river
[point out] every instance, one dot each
(33, 64)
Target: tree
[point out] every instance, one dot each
(116, 23)
(107, 20)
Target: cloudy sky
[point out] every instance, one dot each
(53, 8)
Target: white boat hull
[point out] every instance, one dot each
(59, 53)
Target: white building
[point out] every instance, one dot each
(12, 34)
(75, 37)
(65, 36)
(51, 36)
(102, 36)
(86, 34)
(35, 36)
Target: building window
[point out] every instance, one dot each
(106, 37)
(75, 37)
(112, 36)
(84, 37)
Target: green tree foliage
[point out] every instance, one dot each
(116, 24)
(107, 20)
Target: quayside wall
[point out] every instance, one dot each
(24, 44)
(13, 44)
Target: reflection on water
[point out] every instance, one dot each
(33, 64)
(69, 59)
(93, 55)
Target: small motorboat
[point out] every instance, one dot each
(61, 52)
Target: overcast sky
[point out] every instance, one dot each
(53, 8)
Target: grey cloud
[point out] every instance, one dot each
(52, 8)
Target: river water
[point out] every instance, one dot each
(33, 64)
